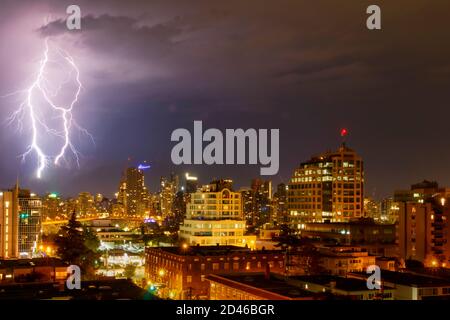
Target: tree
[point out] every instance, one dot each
(78, 246)
(129, 271)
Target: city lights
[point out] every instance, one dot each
(253, 159)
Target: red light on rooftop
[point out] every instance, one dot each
(344, 132)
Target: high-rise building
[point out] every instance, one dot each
(372, 209)
(9, 224)
(191, 183)
(423, 224)
(214, 217)
(51, 206)
(85, 204)
(167, 192)
(133, 194)
(279, 214)
(30, 209)
(248, 208)
(262, 201)
(389, 210)
(329, 186)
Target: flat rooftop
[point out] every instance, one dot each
(410, 279)
(209, 250)
(345, 284)
(253, 283)
(29, 263)
(112, 289)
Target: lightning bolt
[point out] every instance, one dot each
(42, 86)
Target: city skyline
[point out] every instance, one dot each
(150, 68)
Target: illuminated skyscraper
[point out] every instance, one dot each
(279, 210)
(85, 204)
(330, 187)
(167, 192)
(262, 201)
(9, 224)
(133, 194)
(51, 206)
(30, 209)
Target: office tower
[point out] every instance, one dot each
(121, 196)
(179, 207)
(30, 209)
(51, 206)
(191, 183)
(133, 193)
(167, 192)
(214, 216)
(85, 204)
(423, 224)
(262, 197)
(175, 180)
(372, 209)
(329, 186)
(248, 208)
(389, 210)
(279, 214)
(9, 224)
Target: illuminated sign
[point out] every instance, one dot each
(144, 167)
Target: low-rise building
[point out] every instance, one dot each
(180, 272)
(33, 270)
(254, 286)
(340, 260)
(350, 288)
(409, 286)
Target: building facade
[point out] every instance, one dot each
(327, 187)
(214, 217)
(9, 224)
(30, 223)
(423, 224)
(181, 272)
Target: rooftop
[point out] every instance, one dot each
(345, 284)
(28, 263)
(113, 289)
(410, 279)
(208, 250)
(257, 284)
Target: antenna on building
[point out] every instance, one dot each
(344, 133)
